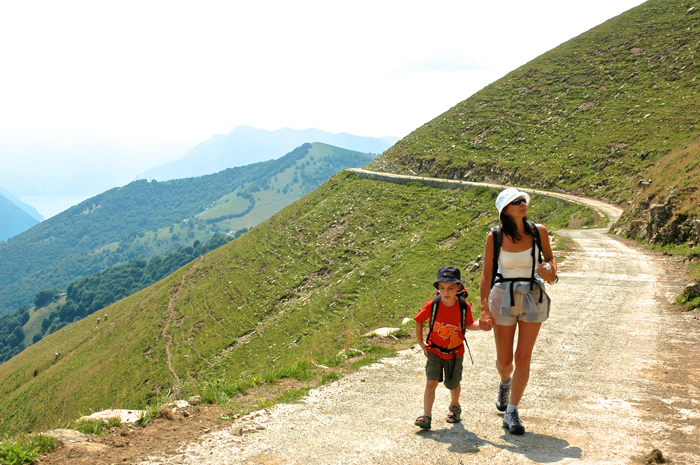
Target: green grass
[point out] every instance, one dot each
(25, 448)
(97, 426)
(372, 354)
(352, 256)
(590, 116)
(687, 302)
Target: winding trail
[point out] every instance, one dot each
(170, 318)
(614, 375)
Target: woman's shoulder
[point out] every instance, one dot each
(541, 228)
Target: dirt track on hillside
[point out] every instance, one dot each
(614, 375)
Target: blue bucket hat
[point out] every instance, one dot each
(448, 274)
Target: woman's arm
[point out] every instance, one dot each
(551, 274)
(485, 318)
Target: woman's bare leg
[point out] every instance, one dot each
(504, 336)
(527, 335)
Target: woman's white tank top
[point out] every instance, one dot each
(516, 264)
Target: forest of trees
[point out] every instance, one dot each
(61, 249)
(90, 294)
(12, 333)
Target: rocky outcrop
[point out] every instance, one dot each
(692, 290)
(659, 223)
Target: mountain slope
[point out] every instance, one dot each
(589, 116)
(245, 145)
(348, 257)
(664, 208)
(56, 169)
(31, 211)
(143, 219)
(13, 220)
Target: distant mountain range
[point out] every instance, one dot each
(13, 218)
(245, 145)
(55, 169)
(31, 211)
(144, 219)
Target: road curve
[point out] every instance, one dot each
(600, 389)
(611, 211)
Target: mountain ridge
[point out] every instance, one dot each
(245, 145)
(31, 211)
(144, 218)
(13, 219)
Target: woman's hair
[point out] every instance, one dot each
(510, 229)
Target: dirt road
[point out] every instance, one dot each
(614, 375)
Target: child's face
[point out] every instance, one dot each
(448, 291)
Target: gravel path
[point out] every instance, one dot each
(600, 389)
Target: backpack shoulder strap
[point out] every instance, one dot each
(538, 240)
(433, 316)
(463, 306)
(535, 241)
(497, 234)
(463, 311)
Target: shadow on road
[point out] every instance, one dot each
(539, 448)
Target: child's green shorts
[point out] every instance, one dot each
(452, 367)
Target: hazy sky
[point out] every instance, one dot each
(192, 69)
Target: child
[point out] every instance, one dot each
(444, 346)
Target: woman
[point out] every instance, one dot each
(515, 298)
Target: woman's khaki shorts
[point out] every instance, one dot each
(435, 366)
(518, 311)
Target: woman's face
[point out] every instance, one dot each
(517, 208)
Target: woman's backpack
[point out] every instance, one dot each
(498, 241)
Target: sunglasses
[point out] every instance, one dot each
(518, 201)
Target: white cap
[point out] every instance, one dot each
(507, 196)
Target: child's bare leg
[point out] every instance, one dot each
(454, 394)
(429, 396)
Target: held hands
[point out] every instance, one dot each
(486, 320)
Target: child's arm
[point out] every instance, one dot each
(475, 327)
(419, 336)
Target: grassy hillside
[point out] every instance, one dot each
(350, 256)
(590, 116)
(144, 219)
(54, 310)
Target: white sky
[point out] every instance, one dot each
(192, 69)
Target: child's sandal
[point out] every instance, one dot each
(455, 414)
(423, 421)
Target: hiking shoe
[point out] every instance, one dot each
(423, 421)
(511, 420)
(503, 397)
(455, 415)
